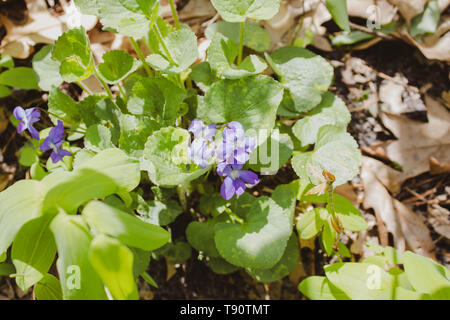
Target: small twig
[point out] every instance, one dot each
(370, 31)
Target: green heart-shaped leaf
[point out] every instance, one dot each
(330, 111)
(117, 65)
(260, 241)
(335, 151)
(239, 10)
(306, 75)
(166, 159)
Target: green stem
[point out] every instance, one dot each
(174, 14)
(104, 84)
(164, 46)
(241, 43)
(83, 87)
(122, 92)
(141, 56)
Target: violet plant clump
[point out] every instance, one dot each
(140, 157)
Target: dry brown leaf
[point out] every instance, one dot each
(398, 97)
(408, 230)
(42, 27)
(389, 177)
(417, 141)
(409, 8)
(380, 10)
(440, 220)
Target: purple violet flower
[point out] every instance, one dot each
(198, 128)
(235, 147)
(27, 118)
(235, 179)
(202, 147)
(54, 141)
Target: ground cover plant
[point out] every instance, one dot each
(114, 171)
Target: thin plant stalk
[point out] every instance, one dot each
(174, 14)
(141, 56)
(241, 42)
(122, 92)
(163, 44)
(104, 84)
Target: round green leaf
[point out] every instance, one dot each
(47, 69)
(117, 65)
(330, 111)
(201, 236)
(252, 101)
(260, 241)
(284, 267)
(306, 75)
(238, 10)
(335, 151)
(20, 77)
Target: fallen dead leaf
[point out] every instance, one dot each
(409, 8)
(379, 10)
(417, 141)
(389, 177)
(440, 219)
(407, 229)
(398, 97)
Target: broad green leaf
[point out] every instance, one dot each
(176, 253)
(260, 241)
(98, 138)
(284, 267)
(20, 77)
(255, 37)
(221, 55)
(48, 288)
(252, 101)
(6, 61)
(6, 269)
(348, 38)
(361, 281)
(182, 47)
(47, 69)
(88, 6)
(114, 263)
(350, 217)
(221, 266)
(310, 223)
(238, 11)
(203, 75)
(79, 280)
(328, 237)
(63, 107)
(135, 131)
(33, 251)
(141, 261)
(114, 15)
(272, 154)
(426, 276)
(28, 155)
(109, 172)
(4, 91)
(335, 151)
(117, 65)
(212, 204)
(200, 235)
(127, 228)
(159, 213)
(285, 196)
(73, 51)
(306, 75)
(338, 10)
(427, 21)
(166, 158)
(343, 250)
(154, 40)
(319, 288)
(144, 7)
(3, 257)
(156, 97)
(20, 203)
(331, 111)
